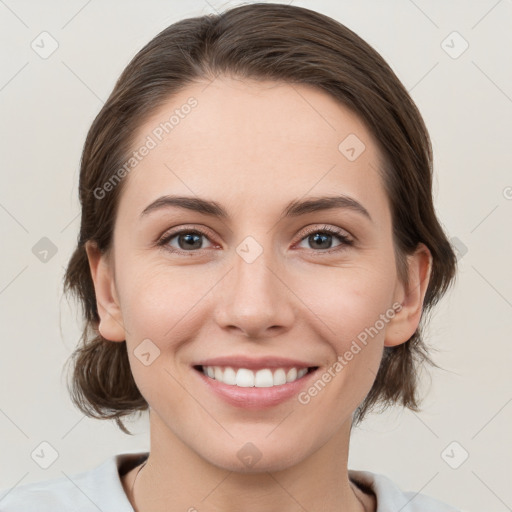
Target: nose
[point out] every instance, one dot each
(254, 299)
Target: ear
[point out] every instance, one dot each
(111, 325)
(406, 320)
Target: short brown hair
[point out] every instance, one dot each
(260, 41)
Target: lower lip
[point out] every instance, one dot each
(253, 397)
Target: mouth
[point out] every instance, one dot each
(260, 378)
(253, 382)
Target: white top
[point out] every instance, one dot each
(101, 489)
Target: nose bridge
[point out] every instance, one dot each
(253, 298)
(252, 265)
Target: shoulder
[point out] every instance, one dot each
(89, 491)
(391, 498)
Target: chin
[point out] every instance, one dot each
(270, 463)
(257, 454)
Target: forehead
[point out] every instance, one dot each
(259, 142)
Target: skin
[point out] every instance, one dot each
(253, 147)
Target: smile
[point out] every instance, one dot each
(254, 382)
(246, 378)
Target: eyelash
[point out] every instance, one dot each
(344, 239)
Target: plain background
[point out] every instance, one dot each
(47, 106)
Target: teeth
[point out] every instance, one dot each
(246, 378)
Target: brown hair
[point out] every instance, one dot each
(268, 42)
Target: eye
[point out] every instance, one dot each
(184, 240)
(322, 238)
(188, 240)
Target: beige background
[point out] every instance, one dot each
(47, 106)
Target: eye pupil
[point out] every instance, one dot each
(321, 239)
(191, 238)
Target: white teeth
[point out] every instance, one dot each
(246, 378)
(229, 376)
(279, 377)
(263, 379)
(291, 375)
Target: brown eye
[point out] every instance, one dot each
(322, 239)
(186, 240)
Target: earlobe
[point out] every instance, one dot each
(406, 320)
(111, 325)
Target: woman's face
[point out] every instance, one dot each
(265, 281)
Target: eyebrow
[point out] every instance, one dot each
(293, 209)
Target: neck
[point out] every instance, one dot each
(317, 483)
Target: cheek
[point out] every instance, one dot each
(159, 310)
(349, 300)
(160, 302)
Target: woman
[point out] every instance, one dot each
(257, 249)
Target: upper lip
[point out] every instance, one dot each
(254, 362)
